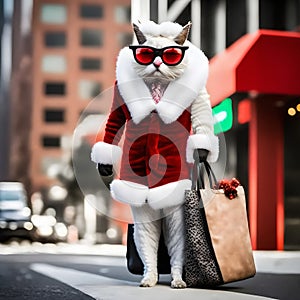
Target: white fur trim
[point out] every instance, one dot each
(132, 88)
(104, 153)
(202, 141)
(168, 195)
(166, 29)
(178, 96)
(164, 196)
(129, 192)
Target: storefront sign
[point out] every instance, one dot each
(222, 114)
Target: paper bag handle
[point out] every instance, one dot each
(198, 175)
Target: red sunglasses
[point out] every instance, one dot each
(171, 56)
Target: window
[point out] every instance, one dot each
(55, 39)
(122, 14)
(90, 64)
(51, 116)
(54, 64)
(89, 89)
(124, 39)
(91, 11)
(53, 13)
(55, 88)
(91, 37)
(51, 141)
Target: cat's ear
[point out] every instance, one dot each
(182, 36)
(139, 35)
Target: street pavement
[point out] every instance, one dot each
(38, 271)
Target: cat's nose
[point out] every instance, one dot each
(157, 62)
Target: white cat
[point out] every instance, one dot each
(159, 97)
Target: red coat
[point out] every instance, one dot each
(157, 146)
(154, 153)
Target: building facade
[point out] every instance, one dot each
(20, 96)
(75, 44)
(6, 11)
(219, 23)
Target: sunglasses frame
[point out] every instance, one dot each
(158, 52)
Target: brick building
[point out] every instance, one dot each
(75, 44)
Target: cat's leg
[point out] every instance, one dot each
(173, 228)
(147, 230)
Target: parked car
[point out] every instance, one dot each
(15, 215)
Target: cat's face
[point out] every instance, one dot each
(158, 69)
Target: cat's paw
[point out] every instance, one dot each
(178, 284)
(149, 280)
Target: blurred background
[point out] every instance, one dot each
(57, 56)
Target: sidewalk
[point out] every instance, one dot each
(274, 262)
(277, 262)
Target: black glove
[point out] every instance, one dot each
(202, 155)
(105, 170)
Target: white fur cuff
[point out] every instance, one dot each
(202, 141)
(129, 192)
(104, 153)
(168, 195)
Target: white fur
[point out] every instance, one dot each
(202, 141)
(178, 96)
(146, 237)
(149, 280)
(104, 153)
(164, 196)
(166, 29)
(129, 192)
(168, 195)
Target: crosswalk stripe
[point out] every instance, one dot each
(104, 288)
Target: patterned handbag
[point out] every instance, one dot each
(218, 247)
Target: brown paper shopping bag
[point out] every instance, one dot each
(218, 247)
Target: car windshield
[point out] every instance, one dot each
(6, 195)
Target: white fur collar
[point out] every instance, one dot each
(178, 96)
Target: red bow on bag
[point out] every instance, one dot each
(229, 187)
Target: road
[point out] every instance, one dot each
(36, 271)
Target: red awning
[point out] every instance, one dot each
(265, 62)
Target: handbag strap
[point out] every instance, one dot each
(213, 182)
(198, 175)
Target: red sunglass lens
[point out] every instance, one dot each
(144, 55)
(172, 56)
